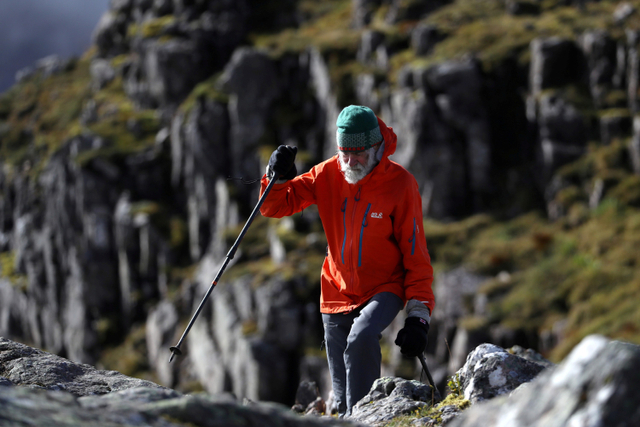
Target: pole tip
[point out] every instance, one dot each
(174, 351)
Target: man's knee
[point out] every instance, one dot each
(362, 340)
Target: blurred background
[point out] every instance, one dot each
(127, 163)
(33, 29)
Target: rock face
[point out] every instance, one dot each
(594, 385)
(71, 394)
(89, 242)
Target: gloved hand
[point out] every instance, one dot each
(281, 163)
(412, 339)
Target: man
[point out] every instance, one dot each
(377, 259)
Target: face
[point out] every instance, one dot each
(354, 159)
(356, 166)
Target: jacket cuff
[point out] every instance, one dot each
(416, 308)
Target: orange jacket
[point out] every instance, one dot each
(373, 227)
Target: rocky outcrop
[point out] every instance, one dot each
(71, 394)
(390, 398)
(21, 365)
(594, 385)
(491, 371)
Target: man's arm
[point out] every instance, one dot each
(409, 233)
(289, 197)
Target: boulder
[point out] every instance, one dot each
(595, 385)
(389, 398)
(29, 367)
(491, 371)
(72, 394)
(145, 407)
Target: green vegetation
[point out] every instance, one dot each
(129, 358)
(433, 412)
(39, 114)
(8, 271)
(583, 273)
(151, 28)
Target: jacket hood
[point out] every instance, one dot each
(390, 139)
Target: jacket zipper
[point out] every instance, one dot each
(343, 209)
(413, 237)
(353, 218)
(364, 224)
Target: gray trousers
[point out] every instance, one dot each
(353, 347)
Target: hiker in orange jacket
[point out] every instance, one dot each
(377, 260)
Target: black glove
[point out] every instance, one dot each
(282, 163)
(412, 339)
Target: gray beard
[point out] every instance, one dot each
(357, 172)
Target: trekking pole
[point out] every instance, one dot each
(176, 349)
(435, 394)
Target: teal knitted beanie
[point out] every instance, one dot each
(358, 129)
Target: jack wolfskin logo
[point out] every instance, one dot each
(376, 215)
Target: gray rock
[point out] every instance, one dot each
(633, 70)
(454, 289)
(29, 367)
(320, 81)
(555, 62)
(595, 385)
(102, 73)
(44, 67)
(458, 91)
(162, 324)
(109, 36)
(370, 41)
(623, 11)
(491, 371)
(362, 12)
(389, 398)
(634, 145)
(251, 78)
(530, 355)
(424, 38)
(144, 407)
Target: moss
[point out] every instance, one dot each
(151, 28)
(130, 357)
(249, 327)
(40, 113)
(627, 191)
(434, 413)
(145, 207)
(207, 90)
(126, 131)
(614, 112)
(9, 272)
(177, 231)
(328, 29)
(473, 323)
